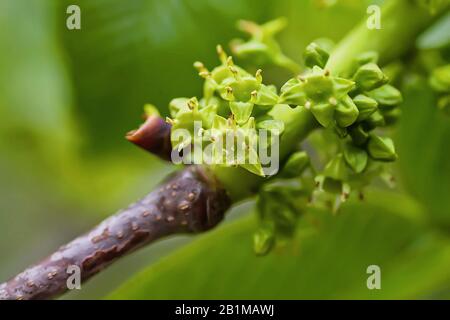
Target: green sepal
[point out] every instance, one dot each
(241, 111)
(355, 157)
(324, 114)
(346, 112)
(381, 148)
(386, 96)
(365, 105)
(315, 55)
(369, 77)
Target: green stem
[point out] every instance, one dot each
(401, 22)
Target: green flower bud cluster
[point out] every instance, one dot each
(352, 107)
(233, 100)
(279, 206)
(440, 82)
(262, 48)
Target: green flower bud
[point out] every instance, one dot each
(369, 77)
(365, 105)
(346, 112)
(315, 55)
(358, 134)
(318, 85)
(341, 87)
(238, 88)
(324, 114)
(367, 57)
(356, 158)
(392, 116)
(381, 148)
(263, 241)
(241, 111)
(262, 46)
(376, 119)
(296, 164)
(387, 96)
(440, 79)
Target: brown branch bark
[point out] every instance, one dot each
(191, 201)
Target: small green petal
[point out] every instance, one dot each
(369, 77)
(315, 55)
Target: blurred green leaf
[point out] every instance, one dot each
(328, 259)
(422, 142)
(129, 53)
(437, 36)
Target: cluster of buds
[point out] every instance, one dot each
(281, 202)
(262, 48)
(234, 101)
(353, 107)
(440, 82)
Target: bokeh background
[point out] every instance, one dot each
(68, 97)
